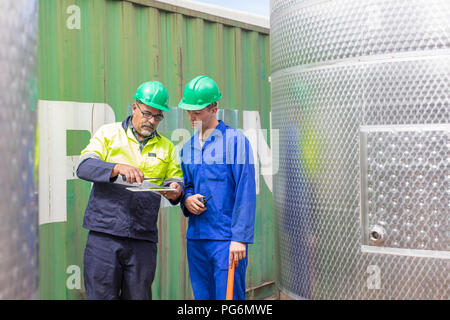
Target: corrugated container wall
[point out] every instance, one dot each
(92, 57)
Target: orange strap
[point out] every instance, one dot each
(230, 283)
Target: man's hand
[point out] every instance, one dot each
(237, 252)
(131, 174)
(194, 205)
(173, 195)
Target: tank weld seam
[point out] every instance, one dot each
(364, 60)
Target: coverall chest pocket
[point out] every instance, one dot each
(156, 166)
(216, 173)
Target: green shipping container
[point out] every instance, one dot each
(92, 56)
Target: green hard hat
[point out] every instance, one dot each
(153, 94)
(199, 93)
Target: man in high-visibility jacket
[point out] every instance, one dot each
(120, 254)
(217, 164)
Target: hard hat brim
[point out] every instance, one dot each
(158, 106)
(154, 105)
(192, 107)
(196, 107)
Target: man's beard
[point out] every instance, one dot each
(147, 130)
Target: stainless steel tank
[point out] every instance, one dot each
(18, 193)
(361, 99)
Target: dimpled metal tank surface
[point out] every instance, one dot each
(18, 193)
(361, 99)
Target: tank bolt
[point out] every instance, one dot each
(377, 235)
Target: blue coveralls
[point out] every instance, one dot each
(120, 255)
(223, 168)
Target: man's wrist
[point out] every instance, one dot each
(115, 171)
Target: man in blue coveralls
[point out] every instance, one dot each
(120, 255)
(217, 164)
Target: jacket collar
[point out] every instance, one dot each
(222, 127)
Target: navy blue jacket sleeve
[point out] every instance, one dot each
(243, 218)
(95, 170)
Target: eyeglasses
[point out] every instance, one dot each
(148, 115)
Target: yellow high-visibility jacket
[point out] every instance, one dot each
(111, 208)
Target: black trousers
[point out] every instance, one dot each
(118, 268)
